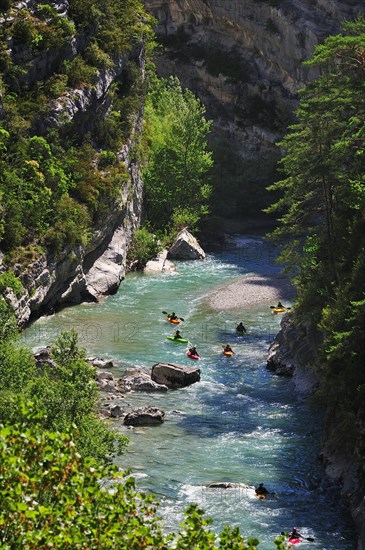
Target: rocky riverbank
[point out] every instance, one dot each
(293, 354)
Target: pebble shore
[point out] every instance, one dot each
(251, 290)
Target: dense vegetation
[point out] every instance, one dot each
(62, 389)
(175, 178)
(59, 176)
(51, 497)
(323, 220)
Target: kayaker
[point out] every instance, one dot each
(172, 316)
(193, 351)
(177, 335)
(241, 328)
(280, 305)
(261, 490)
(227, 348)
(294, 534)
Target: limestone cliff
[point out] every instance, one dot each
(243, 58)
(95, 266)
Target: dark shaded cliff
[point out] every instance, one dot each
(244, 60)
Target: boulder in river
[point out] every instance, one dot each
(186, 247)
(160, 264)
(226, 485)
(139, 380)
(174, 376)
(100, 363)
(144, 416)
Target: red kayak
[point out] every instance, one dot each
(192, 355)
(294, 541)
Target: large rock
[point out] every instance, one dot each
(139, 380)
(186, 247)
(144, 416)
(174, 376)
(293, 349)
(159, 264)
(100, 363)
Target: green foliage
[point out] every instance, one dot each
(144, 247)
(71, 226)
(8, 325)
(80, 74)
(176, 173)
(52, 497)
(56, 187)
(9, 280)
(63, 390)
(322, 219)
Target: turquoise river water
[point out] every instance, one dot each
(239, 424)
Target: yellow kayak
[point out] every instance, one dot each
(279, 309)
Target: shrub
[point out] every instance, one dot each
(79, 73)
(9, 280)
(144, 247)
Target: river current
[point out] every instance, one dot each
(239, 424)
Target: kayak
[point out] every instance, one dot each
(228, 353)
(261, 496)
(279, 309)
(181, 340)
(192, 355)
(294, 541)
(173, 321)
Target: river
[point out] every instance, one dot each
(240, 423)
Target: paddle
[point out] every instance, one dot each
(310, 539)
(166, 313)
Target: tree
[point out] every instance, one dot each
(323, 223)
(176, 173)
(64, 391)
(51, 497)
(323, 192)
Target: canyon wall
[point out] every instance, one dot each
(244, 60)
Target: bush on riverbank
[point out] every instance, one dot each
(64, 390)
(144, 247)
(52, 497)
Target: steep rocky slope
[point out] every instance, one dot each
(294, 353)
(244, 60)
(76, 88)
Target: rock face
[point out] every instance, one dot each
(174, 376)
(186, 247)
(292, 351)
(139, 380)
(144, 416)
(243, 59)
(85, 272)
